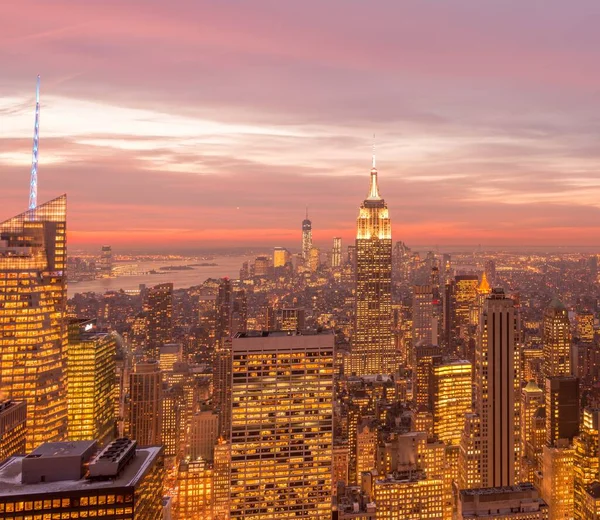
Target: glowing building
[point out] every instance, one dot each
(556, 340)
(585, 327)
(585, 459)
(306, 238)
(373, 349)
(158, 306)
(13, 428)
(33, 330)
(91, 384)
(146, 402)
(194, 490)
(497, 385)
(168, 355)
(336, 252)
(67, 480)
(520, 502)
(282, 426)
(532, 399)
(281, 256)
(558, 479)
(314, 259)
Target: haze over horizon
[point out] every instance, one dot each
(205, 125)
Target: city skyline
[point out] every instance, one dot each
(148, 133)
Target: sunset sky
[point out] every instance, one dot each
(215, 123)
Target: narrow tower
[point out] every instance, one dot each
(34, 159)
(306, 238)
(373, 349)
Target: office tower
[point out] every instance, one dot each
(373, 350)
(490, 271)
(562, 409)
(124, 482)
(306, 238)
(520, 502)
(282, 409)
(172, 417)
(168, 355)
(291, 319)
(281, 257)
(223, 310)
(145, 407)
(261, 266)
(239, 312)
(158, 306)
(558, 479)
(336, 252)
(497, 384)
(422, 315)
(106, 260)
(532, 399)
(13, 427)
(222, 387)
(204, 432)
(195, 490)
(585, 327)
(451, 399)
(426, 356)
(585, 458)
(464, 312)
(33, 297)
(469, 458)
(557, 340)
(91, 383)
(314, 259)
(221, 480)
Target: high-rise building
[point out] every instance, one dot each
(314, 259)
(557, 340)
(422, 315)
(261, 266)
(336, 252)
(497, 383)
(490, 271)
(451, 399)
(33, 330)
(291, 319)
(204, 432)
(106, 260)
(532, 399)
(158, 306)
(558, 479)
(222, 387)
(168, 355)
(306, 238)
(91, 383)
(586, 462)
(562, 409)
(465, 300)
(281, 256)
(194, 490)
(282, 426)
(520, 502)
(145, 407)
(373, 349)
(173, 405)
(585, 327)
(13, 427)
(66, 480)
(223, 310)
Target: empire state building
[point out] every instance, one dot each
(373, 350)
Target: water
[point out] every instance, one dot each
(226, 266)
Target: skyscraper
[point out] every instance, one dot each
(562, 409)
(282, 426)
(336, 252)
(373, 350)
(145, 409)
(306, 238)
(497, 385)
(13, 429)
(557, 340)
(158, 305)
(33, 332)
(422, 314)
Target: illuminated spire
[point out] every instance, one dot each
(373, 188)
(484, 286)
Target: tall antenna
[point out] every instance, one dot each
(374, 163)
(34, 159)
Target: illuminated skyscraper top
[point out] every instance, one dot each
(306, 237)
(372, 345)
(34, 158)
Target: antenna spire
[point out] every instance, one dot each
(374, 162)
(34, 159)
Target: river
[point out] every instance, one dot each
(226, 266)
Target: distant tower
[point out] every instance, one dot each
(373, 350)
(306, 237)
(34, 159)
(146, 405)
(557, 340)
(336, 252)
(158, 306)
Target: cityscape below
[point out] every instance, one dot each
(170, 349)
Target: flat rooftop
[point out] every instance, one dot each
(10, 474)
(62, 449)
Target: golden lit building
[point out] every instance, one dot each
(281, 256)
(173, 415)
(221, 480)
(341, 459)
(366, 446)
(194, 490)
(585, 459)
(314, 259)
(591, 505)
(91, 381)
(306, 238)
(68, 480)
(497, 365)
(532, 399)
(556, 340)
(585, 327)
(558, 479)
(33, 331)
(336, 252)
(158, 306)
(520, 502)
(469, 457)
(13, 427)
(466, 297)
(451, 399)
(373, 349)
(146, 403)
(282, 426)
(169, 354)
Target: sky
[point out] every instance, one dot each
(207, 124)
